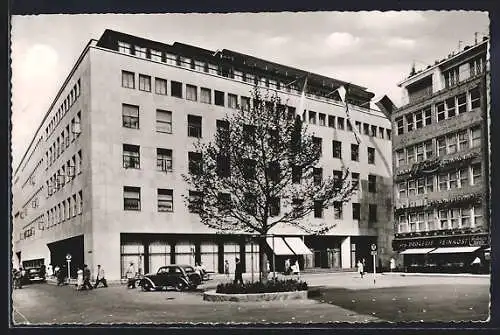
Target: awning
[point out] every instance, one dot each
(419, 251)
(297, 246)
(454, 250)
(280, 247)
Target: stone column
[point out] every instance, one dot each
(345, 250)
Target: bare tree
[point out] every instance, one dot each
(261, 170)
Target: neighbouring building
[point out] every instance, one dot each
(441, 161)
(101, 180)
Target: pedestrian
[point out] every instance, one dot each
(392, 264)
(476, 265)
(43, 272)
(100, 277)
(203, 270)
(50, 271)
(268, 268)
(226, 268)
(79, 279)
(361, 269)
(287, 266)
(86, 278)
(364, 265)
(296, 269)
(17, 279)
(131, 275)
(59, 275)
(238, 272)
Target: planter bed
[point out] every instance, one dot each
(292, 295)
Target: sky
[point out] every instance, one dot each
(371, 49)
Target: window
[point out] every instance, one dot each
(465, 221)
(463, 140)
(131, 156)
(296, 174)
(400, 157)
(475, 98)
(337, 149)
(356, 215)
(358, 126)
(130, 116)
(194, 126)
(124, 47)
(371, 155)
(453, 179)
(476, 137)
(419, 122)
(430, 221)
(223, 201)
(232, 100)
(421, 221)
(349, 125)
(75, 205)
(373, 131)
(450, 107)
(163, 121)
(248, 134)
(441, 145)
(191, 92)
(355, 180)
(195, 162)
(312, 117)
(223, 166)
(165, 200)
(443, 182)
(462, 103)
(222, 135)
(412, 188)
(331, 121)
(372, 183)
(427, 116)
(402, 189)
(219, 98)
(176, 89)
(400, 125)
(322, 119)
(409, 122)
(420, 152)
(454, 217)
(195, 201)
(274, 206)
(402, 224)
(245, 103)
(318, 144)
(464, 177)
(366, 129)
(317, 176)
(478, 215)
(155, 55)
(372, 213)
(291, 112)
(451, 141)
(140, 52)
(381, 132)
(337, 210)
(476, 173)
(428, 149)
(128, 79)
(205, 95)
(337, 178)
(340, 123)
(249, 171)
(420, 185)
(413, 222)
(355, 152)
(131, 198)
(163, 159)
(429, 184)
(144, 83)
(250, 203)
(441, 113)
(318, 209)
(451, 77)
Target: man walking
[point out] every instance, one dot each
(131, 275)
(238, 272)
(86, 278)
(100, 277)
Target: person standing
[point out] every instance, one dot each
(86, 278)
(226, 268)
(79, 279)
(238, 278)
(392, 264)
(131, 276)
(364, 265)
(361, 269)
(100, 277)
(287, 266)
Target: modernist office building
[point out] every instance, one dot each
(441, 163)
(102, 177)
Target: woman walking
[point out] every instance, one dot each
(361, 268)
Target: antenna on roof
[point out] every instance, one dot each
(475, 37)
(459, 45)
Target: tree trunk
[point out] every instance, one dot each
(263, 260)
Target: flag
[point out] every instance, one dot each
(303, 97)
(343, 95)
(342, 92)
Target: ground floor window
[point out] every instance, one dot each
(132, 252)
(184, 253)
(159, 255)
(248, 258)
(209, 254)
(231, 251)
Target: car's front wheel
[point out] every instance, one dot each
(180, 286)
(146, 286)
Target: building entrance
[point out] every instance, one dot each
(59, 250)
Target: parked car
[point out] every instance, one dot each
(180, 277)
(35, 275)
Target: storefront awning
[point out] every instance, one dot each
(280, 247)
(297, 246)
(419, 251)
(454, 250)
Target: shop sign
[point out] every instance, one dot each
(441, 242)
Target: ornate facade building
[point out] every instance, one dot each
(441, 164)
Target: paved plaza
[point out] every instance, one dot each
(343, 297)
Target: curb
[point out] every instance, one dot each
(217, 297)
(417, 274)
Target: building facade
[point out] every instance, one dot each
(102, 178)
(441, 164)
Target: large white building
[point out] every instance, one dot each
(101, 179)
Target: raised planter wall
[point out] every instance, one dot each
(294, 295)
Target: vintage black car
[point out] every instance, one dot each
(35, 275)
(180, 277)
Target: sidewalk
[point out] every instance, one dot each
(408, 274)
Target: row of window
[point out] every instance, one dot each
(63, 109)
(459, 178)
(453, 76)
(65, 174)
(132, 202)
(444, 110)
(444, 145)
(30, 228)
(65, 210)
(63, 141)
(453, 218)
